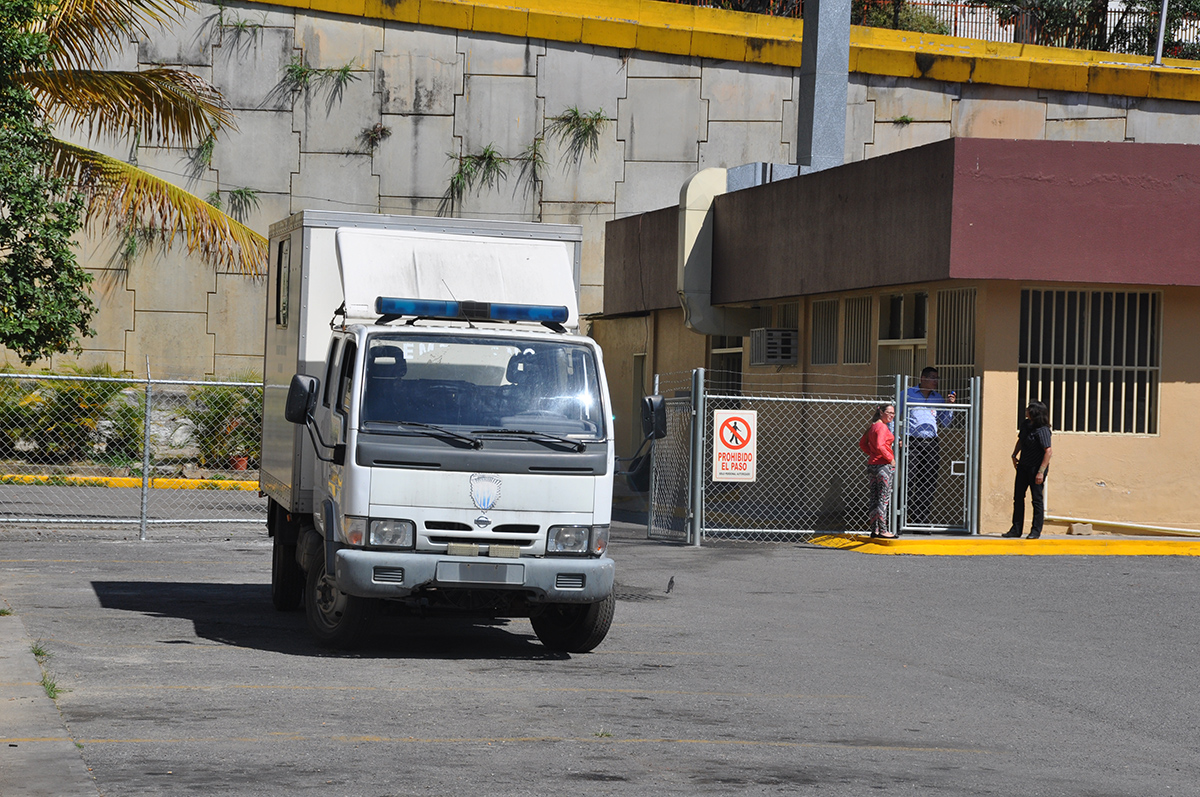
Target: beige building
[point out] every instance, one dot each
(1061, 271)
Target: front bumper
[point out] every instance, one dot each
(392, 574)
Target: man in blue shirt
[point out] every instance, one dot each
(921, 435)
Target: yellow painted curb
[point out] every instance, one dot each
(736, 36)
(998, 546)
(130, 481)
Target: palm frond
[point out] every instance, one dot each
(120, 195)
(160, 104)
(84, 32)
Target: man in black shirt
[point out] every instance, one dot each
(1031, 459)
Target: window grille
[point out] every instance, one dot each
(824, 332)
(954, 352)
(1093, 357)
(787, 316)
(725, 364)
(856, 338)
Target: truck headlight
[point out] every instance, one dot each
(568, 540)
(391, 533)
(577, 540)
(354, 530)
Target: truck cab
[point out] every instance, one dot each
(459, 440)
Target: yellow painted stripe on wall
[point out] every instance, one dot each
(685, 30)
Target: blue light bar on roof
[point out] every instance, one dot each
(493, 311)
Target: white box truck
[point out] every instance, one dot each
(436, 433)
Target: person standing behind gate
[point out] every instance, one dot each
(924, 446)
(876, 443)
(1031, 459)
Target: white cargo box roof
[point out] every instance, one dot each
(411, 264)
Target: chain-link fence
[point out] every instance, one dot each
(669, 475)
(109, 450)
(810, 477)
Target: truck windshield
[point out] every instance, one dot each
(475, 383)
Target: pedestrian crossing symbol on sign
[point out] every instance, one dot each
(735, 445)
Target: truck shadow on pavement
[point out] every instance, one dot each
(242, 615)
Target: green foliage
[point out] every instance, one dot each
(371, 137)
(228, 421)
(484, 169)
(533, 160)
(894, 14)
(299, 76)
(39, 651)
(201, 157)
(44, 297)
(5, 611)
(135, 240)
(1084, 24)
(126, 434)
(16, 414)
(67, 414)
(903, 120)
(50, 685)
(240, 202)
(578, 130)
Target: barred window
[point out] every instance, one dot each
(1093, 357)
(824, 332)
(787, 315)
(955, 349)
(856, 340)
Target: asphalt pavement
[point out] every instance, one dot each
(765, 669)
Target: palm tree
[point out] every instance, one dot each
(156, 106)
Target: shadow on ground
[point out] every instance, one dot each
(242, 615)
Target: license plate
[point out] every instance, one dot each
(480, 573)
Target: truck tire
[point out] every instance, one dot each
(335, 619)
(574, 627)
(287, 579)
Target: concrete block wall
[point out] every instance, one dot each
(448, 85)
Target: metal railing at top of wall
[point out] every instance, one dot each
(106, 450)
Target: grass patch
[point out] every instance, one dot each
(50, 686)
(5, 612)
(39, 651)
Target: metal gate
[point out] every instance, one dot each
(810, 474)
(939, 461)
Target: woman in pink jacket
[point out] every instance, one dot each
(876, 443)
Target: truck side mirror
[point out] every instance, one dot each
(654, 417)
(301, 398)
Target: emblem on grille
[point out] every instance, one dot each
(485, 491)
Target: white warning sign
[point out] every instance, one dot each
(735, 434)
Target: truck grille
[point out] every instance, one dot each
(569, 581)
(447, 539)
(388, 575)
(446, 525)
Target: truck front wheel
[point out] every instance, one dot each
(335, 619)
(574, 627)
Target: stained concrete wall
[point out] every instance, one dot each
(680, 88)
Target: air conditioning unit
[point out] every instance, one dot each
(774, 346)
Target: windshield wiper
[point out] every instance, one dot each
(578, 445)
(437, 431)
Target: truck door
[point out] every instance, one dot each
(340, 391)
